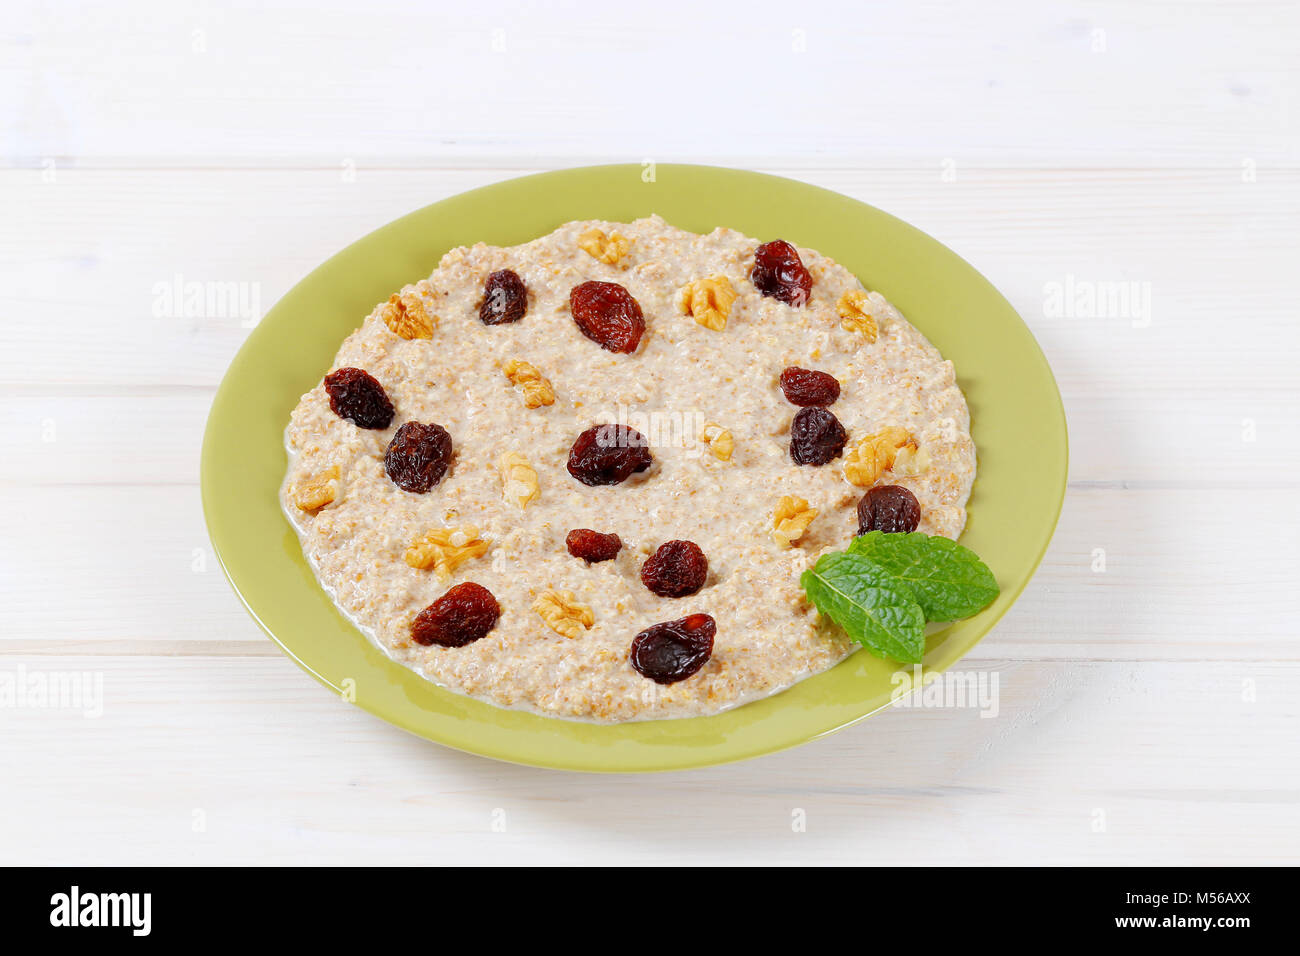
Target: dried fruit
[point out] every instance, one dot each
(791, 519)
(674, 650)
(315, 491)
(606, 313)
(505, 298)
(676, 569)
(708, 301)
(780, 274)
(720, 441)
(816, 437)
(563, 614)
(518, 479)
(355, 395)
(806, 387)
(608, 455)
(592, 546)
(445, 549)
(464, 614)
(608, 249)
(537, 388)
(889, 508)
(876, 454)
(405, 315)
(855, 315)
(418, 456)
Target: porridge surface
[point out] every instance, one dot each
(682, 376)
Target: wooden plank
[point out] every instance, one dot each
(1165, 437)
(1102, 83)
(97, 252)
(229, 761)
(1183, 576)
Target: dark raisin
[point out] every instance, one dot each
(607, 314)
(608, 454)
(676, 569)
(888, 508)
(461, 616)
(816, 436)
(592, 546)
(356, 396)
(804, 386)
(418, 456)
(779, 273)
(505, 298)
(674, 650)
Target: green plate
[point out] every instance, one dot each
(1019, 429)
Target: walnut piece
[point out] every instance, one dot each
(518, 480)
(445, 549)
(855, 315)
(537, 388)
(316, 491)
(911, 460)
(708, 301)
(791, 519)
(719, 439)
(877, 454)
(405, 315)
(563, 614)
(608, 249)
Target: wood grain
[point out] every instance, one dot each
(1147, 675)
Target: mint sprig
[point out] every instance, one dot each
(949, 581)
(884, 587)
(870, 604)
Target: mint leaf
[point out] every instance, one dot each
(873, 607)
(948, 581)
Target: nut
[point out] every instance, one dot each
(790, 520)
(708, 300)
(563, 614)
(608, 249)
(855, 316)
(445, 549)
(518, 480)
(911, 460)
(405, 315)
(537, 388)
(316, 491)
(877, 454)
(719, 439)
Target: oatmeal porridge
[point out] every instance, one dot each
(582, 476)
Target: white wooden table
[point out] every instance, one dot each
(1149, 676)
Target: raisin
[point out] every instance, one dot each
(779, 273)
(676, 569)
(355, 395)
(888, 508)
(606, 313)
(816, 436)
(461, 616)
(804, 386)
(674, 650)
(592, 546)
(418, 456)
(608, 454)
(505, 298)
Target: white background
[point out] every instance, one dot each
(1148, 710)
